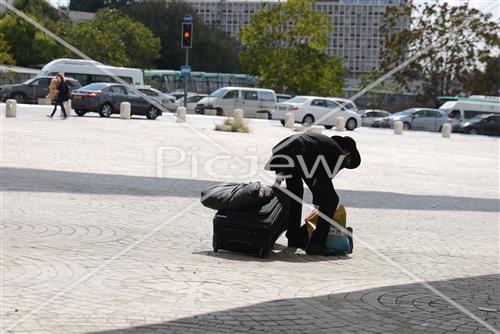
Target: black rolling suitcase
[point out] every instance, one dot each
(252, 231)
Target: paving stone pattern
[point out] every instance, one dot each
(76, 193)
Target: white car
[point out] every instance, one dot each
(192, 101)
(370, 115)
(311, 110)
(346, 104)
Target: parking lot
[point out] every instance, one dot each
(103, 232)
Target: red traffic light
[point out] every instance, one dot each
(187, 29)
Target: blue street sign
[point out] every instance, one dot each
(186, 70)
(188, 18)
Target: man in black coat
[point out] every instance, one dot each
(315, 159)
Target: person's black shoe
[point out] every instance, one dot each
(299, 239)
(314, 249)
(296, 243)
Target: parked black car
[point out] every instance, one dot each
(31, 90)
(486, 124)
(105, 99)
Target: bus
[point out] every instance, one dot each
(200, 82)
(89, 71)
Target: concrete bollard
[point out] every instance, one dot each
(446, 130)
(181, 114)
(125, 110)
(11, 108)
(398, 127)
(238, 116)
(340, 123)
(289, 120)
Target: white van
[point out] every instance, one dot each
(464, 108)
(89, 71)
(251, 100)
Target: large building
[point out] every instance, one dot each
(355, 37)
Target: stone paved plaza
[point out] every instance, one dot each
(103, 233)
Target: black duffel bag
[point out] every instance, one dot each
(237, 196)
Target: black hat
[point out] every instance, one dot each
(348, 144)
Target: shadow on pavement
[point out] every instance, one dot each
(37, 180)
(280, 254)
(407, 308)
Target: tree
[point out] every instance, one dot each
(87, 5)
(27, 45)
(40, 9)
(165, 20)
(111, 37)
(485, 82)
(18, 35)
(114, 38)
(95, 5)
(375, 95)
(463, 38)
(6, 57)
(98, 44)
(285, 44)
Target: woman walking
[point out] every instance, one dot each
(62, 96)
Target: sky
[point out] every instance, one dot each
(490, 6)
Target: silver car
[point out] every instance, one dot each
(167, 101)
(370, 115)
(415, 119)
(192, 101)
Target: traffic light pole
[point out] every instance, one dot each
(186, 80)
(186, 43)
